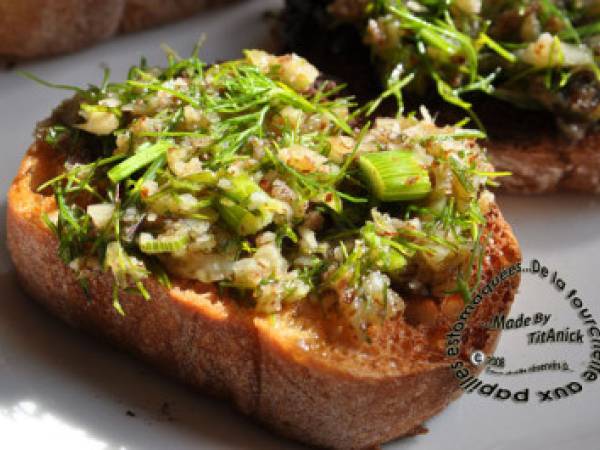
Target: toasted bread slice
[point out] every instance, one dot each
(529, 145)
(526, 143)
(34, 28)
(295, 373)
(40, 28)
(141, 14)
(548, 164)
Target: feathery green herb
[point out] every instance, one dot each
(254, 175)
(536, 54)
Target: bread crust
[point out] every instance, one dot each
(32, 28)
(141, 14)
(40, 28)
(548, 164)
(325, 396)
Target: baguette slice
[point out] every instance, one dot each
(529, 145)
(142, 14)
(38, 28)
(41, 28)
(548, 164)
(525, 143)
(321, 390)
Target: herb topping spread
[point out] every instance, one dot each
(536, 54)
(256, 175)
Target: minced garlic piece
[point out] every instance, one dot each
(100, 123)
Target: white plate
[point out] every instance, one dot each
(60, 389)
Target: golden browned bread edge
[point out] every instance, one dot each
(34, 28)
(40, 28)
(141, 14)
(212, 344)
(546, 164)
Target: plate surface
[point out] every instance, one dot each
(60, 389)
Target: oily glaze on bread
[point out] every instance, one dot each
(295, 374)
(39, 28)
